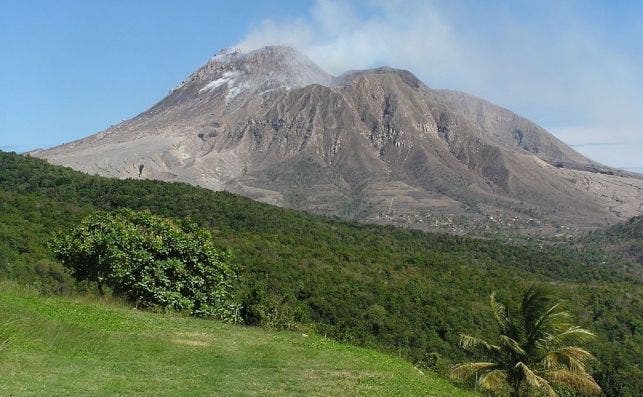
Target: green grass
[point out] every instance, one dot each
(84, 346)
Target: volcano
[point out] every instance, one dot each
(372, 145)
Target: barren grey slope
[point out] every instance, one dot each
(375, 145)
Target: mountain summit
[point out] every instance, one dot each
(374, 145)
(257, 72)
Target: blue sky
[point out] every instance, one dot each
(72, 68)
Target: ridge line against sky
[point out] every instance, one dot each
(574, 67)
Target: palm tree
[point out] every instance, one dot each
(536, 350)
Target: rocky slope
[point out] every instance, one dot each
(373, 145)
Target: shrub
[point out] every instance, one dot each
(151, 261)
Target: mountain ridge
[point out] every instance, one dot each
(376, 145)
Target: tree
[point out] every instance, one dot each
(535, 351)
(151, 261)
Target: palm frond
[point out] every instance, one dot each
(543, 335)
(552, 323)
(579, 382)
(571, 358)
(535, 381)
(571, 336)
(512, 345)
(469, 342)
(558, 360)
(500, 313)
(551, 320)
(494, 380)
(466, 370)
(534, 301)
(559, 321)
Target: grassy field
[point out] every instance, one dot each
(81, 346)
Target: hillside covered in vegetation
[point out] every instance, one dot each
(623, 239)
(401, 291)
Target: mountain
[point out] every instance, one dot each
(374, 145)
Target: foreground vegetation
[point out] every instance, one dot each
(400, 291)
(151, 261)
(60, 346)
(536, 350)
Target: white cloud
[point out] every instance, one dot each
(338, 39)
(553, 67)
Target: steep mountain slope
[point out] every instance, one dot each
(375, 145)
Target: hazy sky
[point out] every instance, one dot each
(72, 68)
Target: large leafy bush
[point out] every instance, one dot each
(152, 261)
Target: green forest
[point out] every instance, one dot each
(403, 292)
